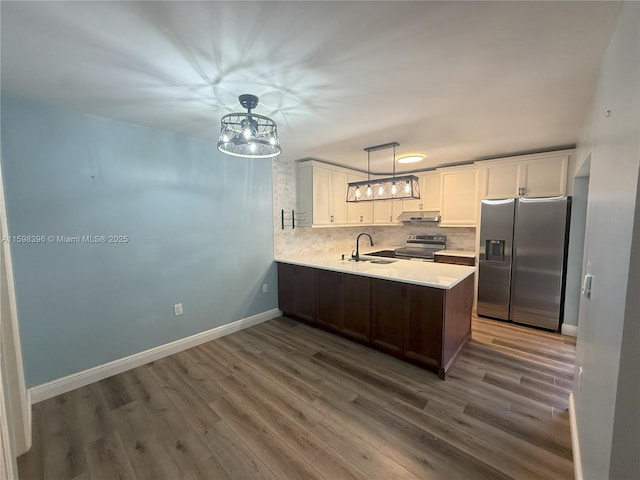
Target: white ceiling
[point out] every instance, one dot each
(454, 80)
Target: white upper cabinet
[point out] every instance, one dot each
(501, 180)
(458, 196)
(386, 212)
(359, 213)
(429, 194)
(531, 176)
(545, 177)
(322, 194)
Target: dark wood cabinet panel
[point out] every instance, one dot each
(389, 309)
(469, 261)
(329, 297)
(356, 306)
(297, 291)
(286, 288)
(457, 316)
(424, 326)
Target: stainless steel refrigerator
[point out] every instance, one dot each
(522, 267)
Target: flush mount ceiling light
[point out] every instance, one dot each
(248, 134)
(389, 188)
(410, 159)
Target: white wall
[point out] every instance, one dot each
(612, 140)
(575, 254)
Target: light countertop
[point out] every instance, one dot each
(457, 253)
(416, 272)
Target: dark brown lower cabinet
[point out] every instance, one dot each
(343, 303)
(407, 320)
(329, 299)
(356, 307)
(423, 331)
(389, 309)
(424, 325)
(297, 291)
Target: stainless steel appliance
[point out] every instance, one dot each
(422, 247)
(419, 217)
(522, 267)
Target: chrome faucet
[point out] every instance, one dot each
(356, 257)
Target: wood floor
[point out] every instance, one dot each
(282, 400)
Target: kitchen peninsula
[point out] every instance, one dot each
(417, 311)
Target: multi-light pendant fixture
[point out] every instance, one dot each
(388, 188)
(248, 134)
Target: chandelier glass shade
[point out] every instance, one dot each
(392, 188)
(388, 188)
(247, 134)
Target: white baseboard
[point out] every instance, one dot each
(575, 445)
(571, 330)
(80, 379)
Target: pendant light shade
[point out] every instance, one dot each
(248, 134)
(389, 188)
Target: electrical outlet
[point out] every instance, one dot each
(265, 288)
(177, 309)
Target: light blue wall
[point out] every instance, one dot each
(199, 225)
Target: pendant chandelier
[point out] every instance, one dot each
(388, 188)
(248, 134)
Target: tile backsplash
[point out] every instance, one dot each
(338, 240)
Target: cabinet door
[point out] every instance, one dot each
(306, 292)
(297, 291)
(546, 177)
(356, 302)
(386, 212)
(424, 326)
(338, 198)
(286, 288)
(430, 192)
(501, 180)
(321, 196)
(329, 298)
(459, 198)
(389, 309)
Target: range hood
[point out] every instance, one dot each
(419, 216)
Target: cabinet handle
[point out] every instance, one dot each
(331, 218)
(361, 218)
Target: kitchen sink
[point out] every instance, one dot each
(382, 262)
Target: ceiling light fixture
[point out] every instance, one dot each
(410, 159)
(384, 188)
(247, 134)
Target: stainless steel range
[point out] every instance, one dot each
(422, 247)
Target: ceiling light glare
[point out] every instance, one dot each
(410, 159)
